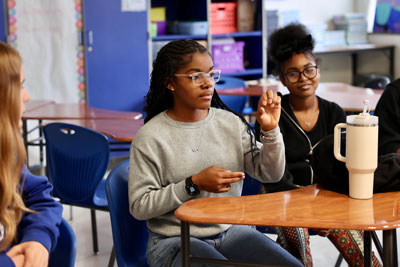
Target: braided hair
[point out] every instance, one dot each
(293, 38)
(169, 60)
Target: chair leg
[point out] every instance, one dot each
(70, 213)
(112, 258)
(94, 231)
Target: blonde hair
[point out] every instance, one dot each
(12, 151)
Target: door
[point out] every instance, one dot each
(116, 51)
(3, 21)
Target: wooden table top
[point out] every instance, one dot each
(62, 111)
(121, 130)
(349, 97)
(34, 104)
(309, 206)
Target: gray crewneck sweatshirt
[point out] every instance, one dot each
(162, 157)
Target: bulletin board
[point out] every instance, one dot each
(46, 33)
(387, 16)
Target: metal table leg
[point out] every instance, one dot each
(367, 249)
(389, 248)
(185, 239)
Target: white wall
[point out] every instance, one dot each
(372, 61)
(334, 68)
(312, 11)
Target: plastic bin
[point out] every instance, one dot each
(223, 18)
(193, 27)
(228, 57)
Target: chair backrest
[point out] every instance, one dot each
(77, 159)
(377, 83)
(235, 102)
(64, 253)
(129, 235)
(230, 82)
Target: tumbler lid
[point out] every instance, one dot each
(364, 118)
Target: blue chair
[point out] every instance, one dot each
(77, 160)
(129, 235)
(64, 253)
(118, 148)
(235, 102)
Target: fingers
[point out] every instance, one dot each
(15, 250)
(35, 254)
(270, 99)
(229, 174)
(18, 260)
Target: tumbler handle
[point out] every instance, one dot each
(336, 141)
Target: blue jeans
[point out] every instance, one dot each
(239, 242)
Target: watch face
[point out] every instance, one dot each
(192, 189)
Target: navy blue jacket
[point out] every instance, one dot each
(41, 226)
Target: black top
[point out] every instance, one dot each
(388, 111)
(299, 145)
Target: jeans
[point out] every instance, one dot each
(239, 242)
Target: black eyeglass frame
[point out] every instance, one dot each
(299, 73)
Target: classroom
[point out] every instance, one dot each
(147, 122)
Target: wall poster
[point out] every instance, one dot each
(387, 16)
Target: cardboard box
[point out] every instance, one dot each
(245, 15)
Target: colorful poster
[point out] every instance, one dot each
(46, 33)
(387, 16)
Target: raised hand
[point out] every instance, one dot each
(216, 179)
(269, 110)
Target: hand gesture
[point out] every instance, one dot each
(216, 179)
(36, 255)
(269, 110)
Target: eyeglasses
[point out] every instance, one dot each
(309, 72)
(199, 78)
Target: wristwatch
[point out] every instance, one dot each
(191, 187)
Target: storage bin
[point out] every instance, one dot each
(187, 27)
(245, 15)
(161, 27)
(193, 27)
(223, 17)
(228, 57)
(158, 14)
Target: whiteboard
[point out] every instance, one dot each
(45, 32)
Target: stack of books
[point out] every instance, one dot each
(277, 19)
(272, 21)
(355, 25)
(335, 38)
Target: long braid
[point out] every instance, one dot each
(170, 59)
(217, 103)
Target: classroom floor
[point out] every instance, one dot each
(323, 252)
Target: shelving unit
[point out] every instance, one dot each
(200, 11)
